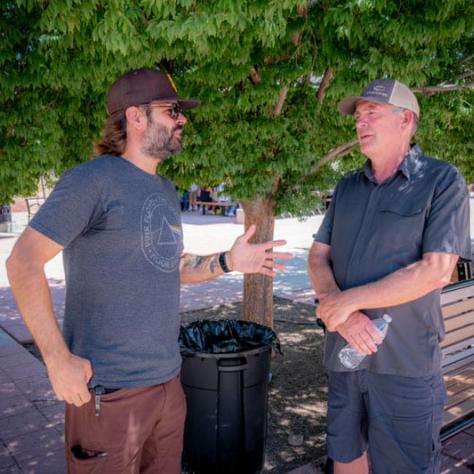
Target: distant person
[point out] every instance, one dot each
(388, 243)
(184, 200)
(206, 196)
(229, 208)
(193, 195)
(117, 365)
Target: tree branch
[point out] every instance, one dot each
(302, 11)
(280, 101)
(327, 78)
(466, 60)
(430, 90)
(295, 38)
(338, 151)
(465, 75)
(254, 76)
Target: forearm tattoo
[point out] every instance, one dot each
(196, 261)
(214, 264)
(200, 264)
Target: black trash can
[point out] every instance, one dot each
(226, 387)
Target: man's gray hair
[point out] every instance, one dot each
(415, 123)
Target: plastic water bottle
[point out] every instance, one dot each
(351, 358)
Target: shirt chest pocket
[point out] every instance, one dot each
(401, 224)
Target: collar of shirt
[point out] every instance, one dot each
(407, 168)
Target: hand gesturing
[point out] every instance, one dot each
(256, 258)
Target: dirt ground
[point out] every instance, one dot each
(298, 389)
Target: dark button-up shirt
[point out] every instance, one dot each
(376, 229)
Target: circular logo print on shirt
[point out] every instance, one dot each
(162, 238)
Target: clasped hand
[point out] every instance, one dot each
(334, 309)
(353, 325)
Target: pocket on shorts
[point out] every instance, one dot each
(418, 425)
(84, 460)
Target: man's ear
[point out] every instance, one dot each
(136, 118)
(408, 118)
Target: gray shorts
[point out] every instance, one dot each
(397, 418)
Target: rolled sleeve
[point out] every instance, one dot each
(447, 224)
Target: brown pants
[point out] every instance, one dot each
(138, 430)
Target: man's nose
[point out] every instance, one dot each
(181, 120)
(360, 122)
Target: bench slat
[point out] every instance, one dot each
(459, 379)
(454, 309)
(216, 204)
(452, 295)
(458, 321)
(458, 411)
(458, 346)
(458, 335)
(459, 398)
(453, 362)
(466, 372)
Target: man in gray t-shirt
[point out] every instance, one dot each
(388, 243)
(118, 223)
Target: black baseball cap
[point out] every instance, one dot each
(143, 86)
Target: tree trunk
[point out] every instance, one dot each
(258, 289)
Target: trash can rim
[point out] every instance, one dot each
(226, 355)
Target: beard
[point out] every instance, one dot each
(160, 142)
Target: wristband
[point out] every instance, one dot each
(223, 263)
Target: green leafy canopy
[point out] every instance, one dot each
(58, 57)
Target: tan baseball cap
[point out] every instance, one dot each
(383, 91)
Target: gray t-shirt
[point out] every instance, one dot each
(121, 232)
(374, 230)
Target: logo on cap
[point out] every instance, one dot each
(173, 85)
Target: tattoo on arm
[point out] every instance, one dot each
(200, 264)
(214, 264)
(196, 261)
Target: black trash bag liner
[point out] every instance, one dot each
(216, 337)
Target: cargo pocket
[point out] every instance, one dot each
(86, 460)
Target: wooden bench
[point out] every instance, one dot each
(33, 204)
(457, 303)
(214, 204)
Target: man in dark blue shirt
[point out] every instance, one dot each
(388, 243)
